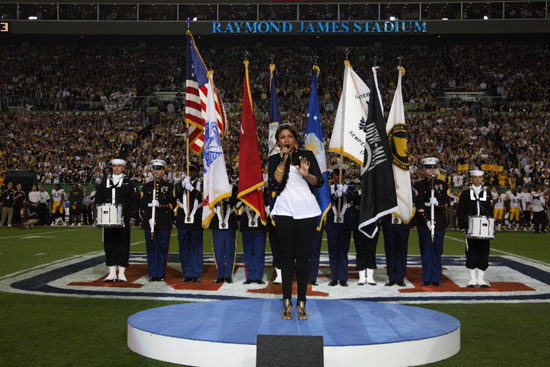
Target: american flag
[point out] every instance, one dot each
(196, 92)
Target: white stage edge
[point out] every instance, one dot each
(206, 353)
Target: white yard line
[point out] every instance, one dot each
(26, 234)
(506, 253)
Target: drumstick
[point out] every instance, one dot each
(466, 241)
(153, 210)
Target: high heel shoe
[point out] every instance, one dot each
(287, 309)
(302, 313)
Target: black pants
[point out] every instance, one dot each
(296, 239)
(366, 250)
(274, 243)
(396, 240)
(44, 215)
(539, 219)
(116, 242)
(477, 254)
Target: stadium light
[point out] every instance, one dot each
(33, 17)
(444, 18)
(485, 17)
(393, 18)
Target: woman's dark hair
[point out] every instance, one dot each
(288, 127)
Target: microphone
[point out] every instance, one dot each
(287, 146)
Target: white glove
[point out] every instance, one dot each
(434, 202)
(344, 188)
(151, 223)
(186, 183)
(336, 191)
(430, 225)
(154, 203)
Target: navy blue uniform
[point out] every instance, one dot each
(224, 235)
(158, 247)
(339, 228)
(190, 231)
(431, 252)
(254, 236)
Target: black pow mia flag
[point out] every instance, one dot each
(378, 197)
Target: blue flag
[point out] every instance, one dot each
(314, 141)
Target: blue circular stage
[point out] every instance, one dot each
(225, 332)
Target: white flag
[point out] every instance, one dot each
(216, 182)
(397, 137)
(349, 130)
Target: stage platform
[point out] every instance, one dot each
(355, 333)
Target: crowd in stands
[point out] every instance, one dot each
(63, 144)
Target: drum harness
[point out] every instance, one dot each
(477, 198)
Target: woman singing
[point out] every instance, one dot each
(294, 175)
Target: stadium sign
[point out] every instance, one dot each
(345, 27)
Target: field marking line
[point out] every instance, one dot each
(506, 253)
(48, 232)
(40, 266)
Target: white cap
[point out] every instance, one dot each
(158, 163)
(476, 173)
(429, 162)
(336, 168)
(119, 161)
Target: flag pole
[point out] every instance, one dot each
(187, 136)
(346, 55)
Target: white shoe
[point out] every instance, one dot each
(72, 224)
(279, 277)
(473, 281)
(64, 224)
(480, 281)
(9, 225)
(370, 277)
(362, 278)
(112, 275)
(79, 224)
(121, 276)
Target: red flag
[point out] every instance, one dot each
(250, 165)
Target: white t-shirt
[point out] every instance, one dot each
(296, 199)
(525, 200)
(538, 202)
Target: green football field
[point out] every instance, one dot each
(75, 331)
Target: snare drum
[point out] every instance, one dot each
(481, 227)
(109, 215)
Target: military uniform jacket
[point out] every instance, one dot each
(167, 202)
(229, 219)
(125, 194)
(348, 212)
(472, 204)
(249, 220)
(189, 220)
(422, 201)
